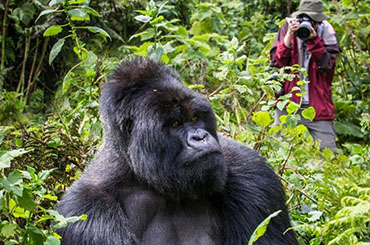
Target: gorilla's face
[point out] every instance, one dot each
(172, 144)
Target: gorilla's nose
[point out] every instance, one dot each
(197, 138)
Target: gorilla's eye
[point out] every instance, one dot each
(194, 118)
(175, 124)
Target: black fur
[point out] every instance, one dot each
(164, 176)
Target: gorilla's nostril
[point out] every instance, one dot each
(196, 137)
(199, 136)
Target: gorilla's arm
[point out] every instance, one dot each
(106, 221)
(252, 193)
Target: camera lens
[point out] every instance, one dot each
(304, 30)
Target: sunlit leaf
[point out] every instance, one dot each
(309, 113)
(78, 14)
(262, 118)
(52, 31)
(7, 156)
(52, 240)
(8, 230)
(261, 228)
(54, 2)
(95, 29)
(45, 12)
(55, 50)
(143, 18)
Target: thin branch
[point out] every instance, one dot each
(254, 108)
(21, 85)
(29, 82)
(286, 159)
(215, 91)
(24, 130)
(3, 35)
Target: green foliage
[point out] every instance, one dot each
(220, 48)
(24, 203)
(74, 11)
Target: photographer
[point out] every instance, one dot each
(309, 40)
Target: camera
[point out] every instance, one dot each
(304, 29)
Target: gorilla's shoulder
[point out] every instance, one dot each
(237, 154)
(246, 167)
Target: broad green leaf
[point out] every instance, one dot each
(26, 201)
(315, 215)
(234, 42)
(182, 31)
(20, 213)
(204, 37)
(281, 104)
(300, 129)
(54, 2)
(36, 234)
(67, 81)
(155, 54)
(91, 11)
(292, 107)
(157, 20)
(55, 50)
(143, 18)
(52, 31)
(45, 174)
(145, 35)
(78, 14)
(262, 118)
(7, 156)
(309, 113)
(15, 177)
(348, 129)
(95, 29)
(8, 230)
(45, 12)
(167, 48)
(292, 120)
(14, 188)
(261, 228)
(52, 240)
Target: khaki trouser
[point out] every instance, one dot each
(322, 130)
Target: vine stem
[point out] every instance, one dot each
(21, 84)
(286, 159)
(29, 82)
(254, 108)
(3, 35)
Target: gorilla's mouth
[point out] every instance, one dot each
(204, 159)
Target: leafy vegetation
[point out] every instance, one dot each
(56, 54)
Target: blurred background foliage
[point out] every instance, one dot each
(56, 54)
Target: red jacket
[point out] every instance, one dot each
(320, 69)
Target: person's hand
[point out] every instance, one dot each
(292, 27)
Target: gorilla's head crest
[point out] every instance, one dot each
(165, 132)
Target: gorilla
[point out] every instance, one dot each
(165, 176)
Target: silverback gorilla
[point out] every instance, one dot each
(164, 175)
